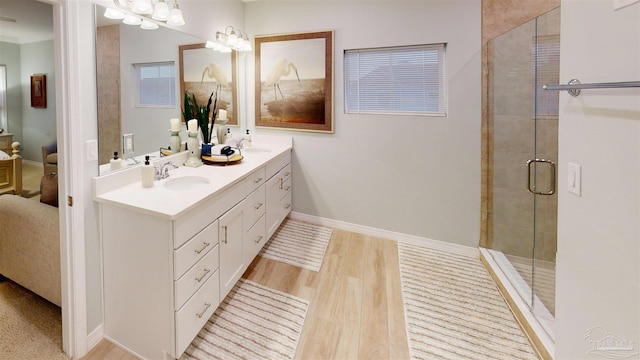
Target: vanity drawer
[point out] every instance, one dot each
(286, 172)
(191, 281)
(195, 313)
(255, 207)
(285, 206)
(278, 163)
(195, 249)
(254, 180)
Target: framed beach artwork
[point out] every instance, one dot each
(294, 81)
(204, 71)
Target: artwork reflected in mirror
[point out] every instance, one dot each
(204, 72)
(127, 59)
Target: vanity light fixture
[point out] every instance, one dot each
(157, 10)
(229, 39)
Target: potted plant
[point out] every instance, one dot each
(192, 110)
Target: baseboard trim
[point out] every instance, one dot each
(386, 234)
(94, 337)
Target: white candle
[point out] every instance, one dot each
(175, 124)
(192, 125)
(222, 114)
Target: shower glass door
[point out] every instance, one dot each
(524, 151)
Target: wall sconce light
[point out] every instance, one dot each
(230, 40)
(157, 10)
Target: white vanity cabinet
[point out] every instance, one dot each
(278, 197)
(164, 275)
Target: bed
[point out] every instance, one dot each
(11, 171)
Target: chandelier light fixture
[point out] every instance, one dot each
(230, 39)
(140, 12)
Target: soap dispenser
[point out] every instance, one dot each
(148, 173)
(248, 138)
(228, 135)
(116, 163)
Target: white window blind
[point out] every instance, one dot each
(408, 80)
(156, 84)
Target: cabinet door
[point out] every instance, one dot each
(230, 236)
(273, 196)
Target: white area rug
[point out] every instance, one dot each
(453, 310)
(253, 322)
(299, 244)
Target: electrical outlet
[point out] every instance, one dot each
(127, 144)
(575, 179)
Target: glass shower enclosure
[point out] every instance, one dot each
(523, 153)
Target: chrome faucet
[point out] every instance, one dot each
(240, 141)
(162, 171)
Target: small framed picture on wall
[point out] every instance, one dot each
(39, 91)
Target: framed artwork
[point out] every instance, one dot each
(39, 91)
(203, 71)
(294, 81)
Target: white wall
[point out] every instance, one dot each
(598, 273)
(38, 124)
(413, 175)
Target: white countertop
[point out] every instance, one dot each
(171, 204)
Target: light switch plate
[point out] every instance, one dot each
(575, 179)
(127, 144)
(91, 147)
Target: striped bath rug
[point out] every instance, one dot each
(298, 244)
(453, 309)
(253, 322)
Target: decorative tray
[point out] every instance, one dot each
(222, 159)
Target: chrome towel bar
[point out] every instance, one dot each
(574, 86)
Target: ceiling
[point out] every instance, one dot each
(34, 21)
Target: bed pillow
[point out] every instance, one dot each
(4, 155)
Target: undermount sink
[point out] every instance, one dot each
(186, 183)
(255, 150)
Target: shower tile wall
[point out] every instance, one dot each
(108, 74)
(498, 17)
(516, 140)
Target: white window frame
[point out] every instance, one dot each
(362, 95)
(138, 67)
(4, 121)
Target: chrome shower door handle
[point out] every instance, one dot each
(553, 177)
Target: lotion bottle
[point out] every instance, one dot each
(147, 173)
(248, 137)
(228, 135)
(116, 163)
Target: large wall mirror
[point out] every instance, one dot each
(128, 59)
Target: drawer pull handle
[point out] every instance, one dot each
(257, 180)
(259, 239)
(287, 206)
(204, 247)
(281, 181)
(206, 271)
(287, 173)
(287, 188)
(225, 234)
(258, 206)
(206, 307)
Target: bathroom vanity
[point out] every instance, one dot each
(171, 253)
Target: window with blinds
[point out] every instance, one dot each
(156, 84)
(408, 80)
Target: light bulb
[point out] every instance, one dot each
(113, 14)
(161, 11)
(132, 20)
(148, 25)
(142, 7)
(175, 16)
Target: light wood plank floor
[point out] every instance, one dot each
(355, 311)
